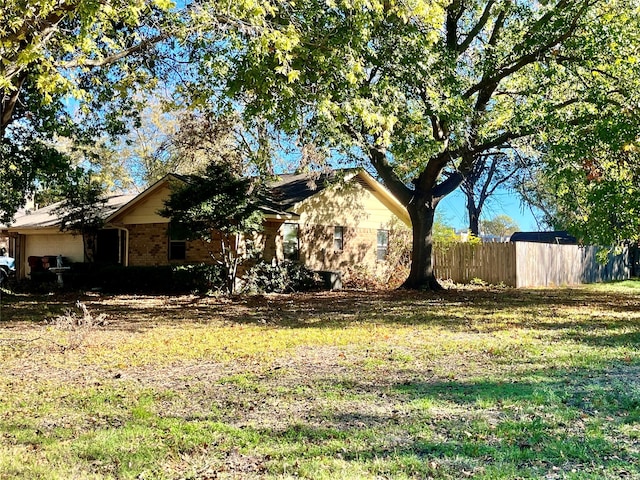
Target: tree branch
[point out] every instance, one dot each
(482, 22)
(116, 56)
(35, 25)
(454, 13)
(527, 59)
(380, 163)
(497, 28)
(485, 186)
(9, 102)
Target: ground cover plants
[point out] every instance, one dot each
(474, 383)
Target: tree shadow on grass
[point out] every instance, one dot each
(457, 311)
(534, 424)
(630, 339)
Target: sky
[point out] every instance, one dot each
(504, 202)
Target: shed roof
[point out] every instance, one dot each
(560, 237)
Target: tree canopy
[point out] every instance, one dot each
(75, 70)
(500, 225)
(217, 207)
(57, 47)
(68, 71)
(423, 92)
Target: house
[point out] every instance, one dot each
(339, 220)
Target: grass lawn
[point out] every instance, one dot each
(477, 383)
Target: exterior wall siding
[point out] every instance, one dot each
(317, 247)
(146, 211)
(359, 248)
(38, 245)
(353, 207)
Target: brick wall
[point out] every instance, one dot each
(197, 252)
(317, 250)
(271, 241)
(148, 244)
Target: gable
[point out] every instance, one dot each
(359, 201)
(144, 208)
(356, 203)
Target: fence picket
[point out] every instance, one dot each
(525, 264)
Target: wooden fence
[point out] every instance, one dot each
(524, 264)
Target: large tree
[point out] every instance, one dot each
(61, 46)
(500, 225)
(591, 187)
(68, 70)
(75, 69)
(587, 180)
(422, 91)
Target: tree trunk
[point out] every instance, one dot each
(89, 243)
(474, 219)
(421, 276)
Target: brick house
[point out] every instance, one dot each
(334, 222)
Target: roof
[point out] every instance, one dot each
(48, 217)
(559, 237)
(285, 194)
(291, 189)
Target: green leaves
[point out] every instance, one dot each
(218, 207)
(424, 92)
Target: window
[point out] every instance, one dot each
(383, 244)
(338, 239)
(177, 243)
(177, 250)
(290, 241)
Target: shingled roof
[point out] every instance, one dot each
(49, 216)
(290, 189)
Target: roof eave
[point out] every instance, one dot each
(387, 197)
(281, 216)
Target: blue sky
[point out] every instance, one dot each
(453, 207)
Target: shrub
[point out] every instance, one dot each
(78, 324)
(361, 277)
(118, 279)
(152, 279)
(198, 278)
(284, 277)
